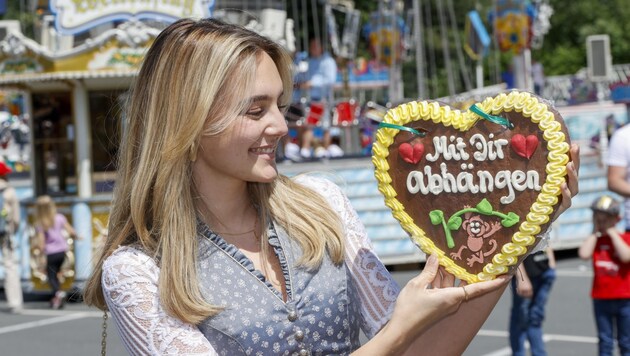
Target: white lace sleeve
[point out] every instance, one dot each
(130, 280)
(377, 289)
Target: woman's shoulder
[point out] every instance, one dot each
(325, 187)
(132, 259)
(319, 184)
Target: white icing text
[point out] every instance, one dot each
(482, 181)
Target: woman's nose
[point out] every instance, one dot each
(278, 125)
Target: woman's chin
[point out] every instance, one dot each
(268, 175)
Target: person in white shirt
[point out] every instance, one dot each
(317, 85)
(618, 162)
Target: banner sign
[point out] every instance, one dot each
(75, 16)
(20, 66)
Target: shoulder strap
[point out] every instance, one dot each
(104, 334)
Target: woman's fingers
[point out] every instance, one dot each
(478, 289)
(572, 178)
(573, 169)
(570, 188)
(429, 273)
(441, 278)
(574, 152)
(448, 280)
(435, 275)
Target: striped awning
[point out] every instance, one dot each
(99, 78)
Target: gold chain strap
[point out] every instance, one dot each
(104, 335)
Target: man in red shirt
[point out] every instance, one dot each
(610, 252)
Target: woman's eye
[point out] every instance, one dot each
(255, 113)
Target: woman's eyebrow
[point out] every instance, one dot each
(263, 97)
(257, 98)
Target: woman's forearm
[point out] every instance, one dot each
(430, 307)
(450, 336)
(387, 342)
(453, 334)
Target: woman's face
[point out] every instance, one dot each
(246, 150)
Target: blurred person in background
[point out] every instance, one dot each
(52, 229)
(618, 162)
(9, 222)
(530, 292)
(317, 84)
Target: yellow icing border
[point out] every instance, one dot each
(540, 211)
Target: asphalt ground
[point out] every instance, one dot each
(76, 330)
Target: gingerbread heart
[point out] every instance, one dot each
(479, 197)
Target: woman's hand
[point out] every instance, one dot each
(430, 297)
(570, 187)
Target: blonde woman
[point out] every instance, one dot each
(50, 227)
(211, 251)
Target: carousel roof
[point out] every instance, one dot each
(108, 60)
(102, 79)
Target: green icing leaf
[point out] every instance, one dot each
(454, 223)
(510, 219)
(449, 239)
(484, 207)
(436, 216)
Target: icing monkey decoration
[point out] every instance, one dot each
(478, 232)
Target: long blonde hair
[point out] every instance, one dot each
(191, 84)
(45, 211)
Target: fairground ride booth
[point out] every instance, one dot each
(73, 95)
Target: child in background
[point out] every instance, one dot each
(50, 227)
(610, 251)
(530, 292)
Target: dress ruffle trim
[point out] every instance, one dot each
(204, 231)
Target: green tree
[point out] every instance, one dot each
(17, 10)
(564, 48)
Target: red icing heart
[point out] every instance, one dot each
(411, 154)
(523, 146)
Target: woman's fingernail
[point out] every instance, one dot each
(432, 259)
